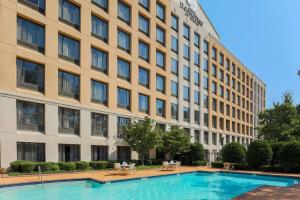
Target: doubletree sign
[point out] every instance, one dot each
(189, 12)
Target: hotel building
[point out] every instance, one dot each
(73, 72)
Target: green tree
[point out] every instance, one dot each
(175, 141)
(194, 154)
(280, 123)
(233, 152)
(259, 153)
(142, 136)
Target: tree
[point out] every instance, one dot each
(280, 123)
(298, 72)
(175, 141)
(233, 152)
(259, 153)
(142, 136)
(194, 154)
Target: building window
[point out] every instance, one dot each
(214, 70)
(196, 78)
(206, 138)
(221, 91)
(205, 119)
(196, 117)
(34, 4)
(186, 93)
(68, 121)
(160, 35)
(99, 152)
(99, 124)
(197, 40)
(160, 11)
(174, 88)
(68, 49)
(174, 44)
(144, 3)
(144, 51)
(196, 59)
(144, 77)
(99, 60)
(69, 13)
(68, 85)
(205, 46)
(221, 59)
(174, 66)
(123, 98)
(30, 75)
(214, 53)
(205, 101)
(186, 114)
(34, 152)
(160, 107)
(186, 52)
(186, 32)
(30, 35)
(30, 116)
(205, 64)
(124, 41)
(186, 73)
(160, 83)
(214, 122)
(124, 12)
(101, 3)
(99, 28)
(205, 83)
(174, 23)
(99, 92)
(69, 152)
(144, 25)
(160, 59)
(122, 122)
(214, 138)
(144, 103)
(123, 154)
(123, 69)
(214, 104)
(221, 75)
(196, 97)
(174, 111)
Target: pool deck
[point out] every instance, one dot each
(265, 193)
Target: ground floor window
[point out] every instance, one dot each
(69, 152)
(31, 151)
(99, 152)
(123, 154)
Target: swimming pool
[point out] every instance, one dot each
(190, 186)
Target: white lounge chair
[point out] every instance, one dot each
(117, 168)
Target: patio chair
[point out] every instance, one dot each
(226, 166)
(166, 165)
(131, 169)
(178, 164)
(117, 168)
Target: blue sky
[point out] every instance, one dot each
(265, 36)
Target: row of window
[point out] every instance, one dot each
(68, 152)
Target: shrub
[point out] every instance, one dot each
(233, 153)
(67, 166)
(200, 163)
(271, 168)
(48, 167)
(27, 167)
(240, 166)
(82, 165)
(195, 153)
(110, 163)
(289, 156)
(259, 153)
(15, 166)
(276, 149)
(217, 165)
(97, 165)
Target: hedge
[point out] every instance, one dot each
(82, 165)
(276, 149)
(259, 153)
(233, 153)
(97, 165)
(289, 156)
(217, 165)
(195, 153)
(200, 163)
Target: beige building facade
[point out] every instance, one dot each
(73, 72)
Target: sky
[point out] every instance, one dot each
(265, 36)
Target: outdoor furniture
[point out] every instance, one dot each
(172, 165)
(178, 164)
(2, 172)
(117, 168)
(226, 166)
(130, 168)
(165, 165)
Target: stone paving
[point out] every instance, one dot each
(262, 193)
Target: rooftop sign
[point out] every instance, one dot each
(190, 9)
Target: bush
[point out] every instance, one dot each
(97, 165)
(259, 153)
(67, 166)
(289, 156)
(276, 149)
(48, 167)
(217, 165)
(200, 163)
(270, 168)
(233, 153)
(110, 163)
(15, 166)
(82, 165)
(27, 167)
(240, 166)
(195, 153)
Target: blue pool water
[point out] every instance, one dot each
(192, 186)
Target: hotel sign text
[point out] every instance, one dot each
(189, 12)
